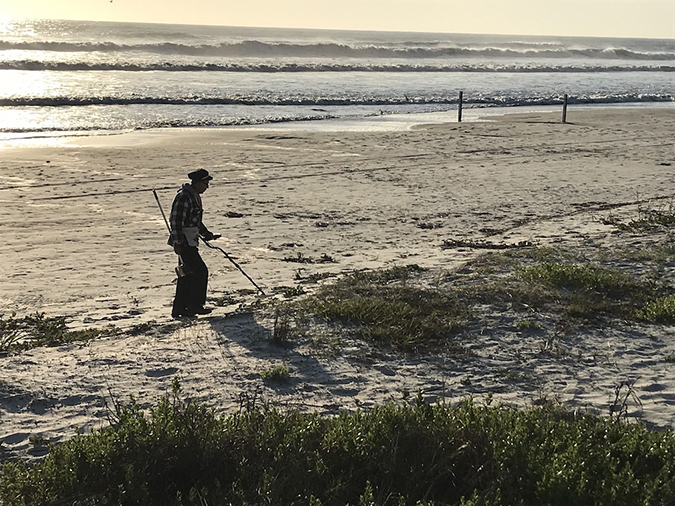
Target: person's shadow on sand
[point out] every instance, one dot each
(306, 373)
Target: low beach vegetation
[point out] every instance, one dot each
(587, 291)
(385, 307)
(584, 277)
(276, 374)
(569, 287)
(409, 308)
(660, 310)
(649, 217)
(182, 453)
(36, 330)
(527, 325)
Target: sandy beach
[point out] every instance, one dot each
(82, 237)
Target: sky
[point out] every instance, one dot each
(602, 18)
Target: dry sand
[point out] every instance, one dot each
(81, 236)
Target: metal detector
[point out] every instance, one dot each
(180, 266)
(235, 264)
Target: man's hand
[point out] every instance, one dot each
(178, 248)
(210, 236)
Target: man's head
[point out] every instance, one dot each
(200, 180)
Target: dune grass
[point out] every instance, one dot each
(589, 291)
(562, 284)
(181, 453)
(649, 217)
(36, 330)
(411, 309)
(403, 308)
(383, 307)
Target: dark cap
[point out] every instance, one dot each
(200, 175)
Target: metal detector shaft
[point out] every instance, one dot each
(181, 271)
(161, 211)
(236, 265)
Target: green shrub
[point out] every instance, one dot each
(661, 310)
(276, 373)
(181, 453)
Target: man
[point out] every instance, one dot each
(186, 228)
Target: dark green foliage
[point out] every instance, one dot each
(37, 330)
(139, 460)
(182, 453)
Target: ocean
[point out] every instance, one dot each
(74, 77)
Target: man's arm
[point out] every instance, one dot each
(205, 233)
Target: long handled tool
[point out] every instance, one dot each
(161, 211)
(236, 265)
(181, 271)
(212, 247)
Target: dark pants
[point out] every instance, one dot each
(191, 289)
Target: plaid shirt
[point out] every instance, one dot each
(186, 211)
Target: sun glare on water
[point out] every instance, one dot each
(6, 24)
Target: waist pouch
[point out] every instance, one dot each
(191, 235)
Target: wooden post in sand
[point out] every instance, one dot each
(459, 107)
(564, 117)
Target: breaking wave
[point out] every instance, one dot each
(259, 49)
(327, 101)
(320, 67)
(174, 123)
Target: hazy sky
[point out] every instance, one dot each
(622, 18)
